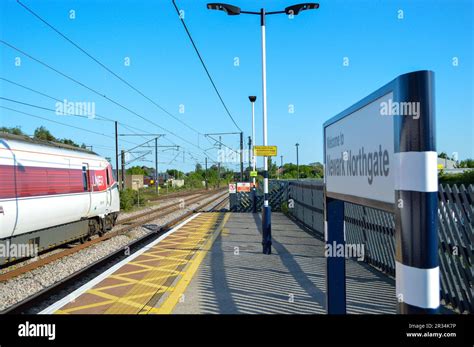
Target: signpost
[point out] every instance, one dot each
(265, 151)
(232, 188)
(381, 153)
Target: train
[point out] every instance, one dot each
(52, 194)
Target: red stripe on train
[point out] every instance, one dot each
(28, 181)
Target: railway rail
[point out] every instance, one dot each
(34, 303)
(122, 226)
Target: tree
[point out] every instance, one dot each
(467, 163)
(44, 134)
(14, 130)
(136, 170)
(69, 142)
(175, 173)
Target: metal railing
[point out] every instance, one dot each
(375, 229)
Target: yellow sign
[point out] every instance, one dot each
(265, 151)
(253, 173)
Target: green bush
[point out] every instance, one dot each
(128, 199)
(465, 178)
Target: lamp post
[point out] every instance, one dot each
(297, 161)
(254, 161)
(291, 10)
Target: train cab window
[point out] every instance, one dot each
(85, 181)
(108, 177)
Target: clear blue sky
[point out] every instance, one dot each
(305, 67)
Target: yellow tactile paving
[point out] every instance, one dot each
(138, 286)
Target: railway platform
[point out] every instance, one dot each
(212, 263)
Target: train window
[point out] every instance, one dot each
(85, 181)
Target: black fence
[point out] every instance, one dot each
(304, 201)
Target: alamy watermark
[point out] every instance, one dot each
(395, 108)
(346, 250)
(227, 155)
(75, 108)
(18, 250)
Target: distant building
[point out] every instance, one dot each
(134, 182)
(444, 164)
(176, 183)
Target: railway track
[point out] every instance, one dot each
(124, 225)
(41, 299)
(222, 205)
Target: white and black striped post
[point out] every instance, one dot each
(416, 187)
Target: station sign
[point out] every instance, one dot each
(381, 153)
(359, 153)
(232, 188)
(243, 187)
(265, 151)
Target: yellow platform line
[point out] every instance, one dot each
(156, 276)
(204, 233)
(168, 305)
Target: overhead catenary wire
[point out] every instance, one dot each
(204, 64)
(129, 127)
(66, 125)
(106, 67)
(96, 92)
(57, 122)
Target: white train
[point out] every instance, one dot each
(51, 194)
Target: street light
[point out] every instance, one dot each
(297, 161)
(254, 161)
(291, 10)
(229, 9)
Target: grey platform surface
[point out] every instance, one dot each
(236, 278)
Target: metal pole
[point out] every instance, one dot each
(254, 158)
(250, 157)
(241, 156)
(254, 161)
(417, 271)
(123, 169)
(156, 166)
(116, 152)
(219, 166)
(335, 266)
(266, 212)
(206, 173)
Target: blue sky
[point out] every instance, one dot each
(305, 68)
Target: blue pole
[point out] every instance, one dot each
(335, 266)
(416, 197)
